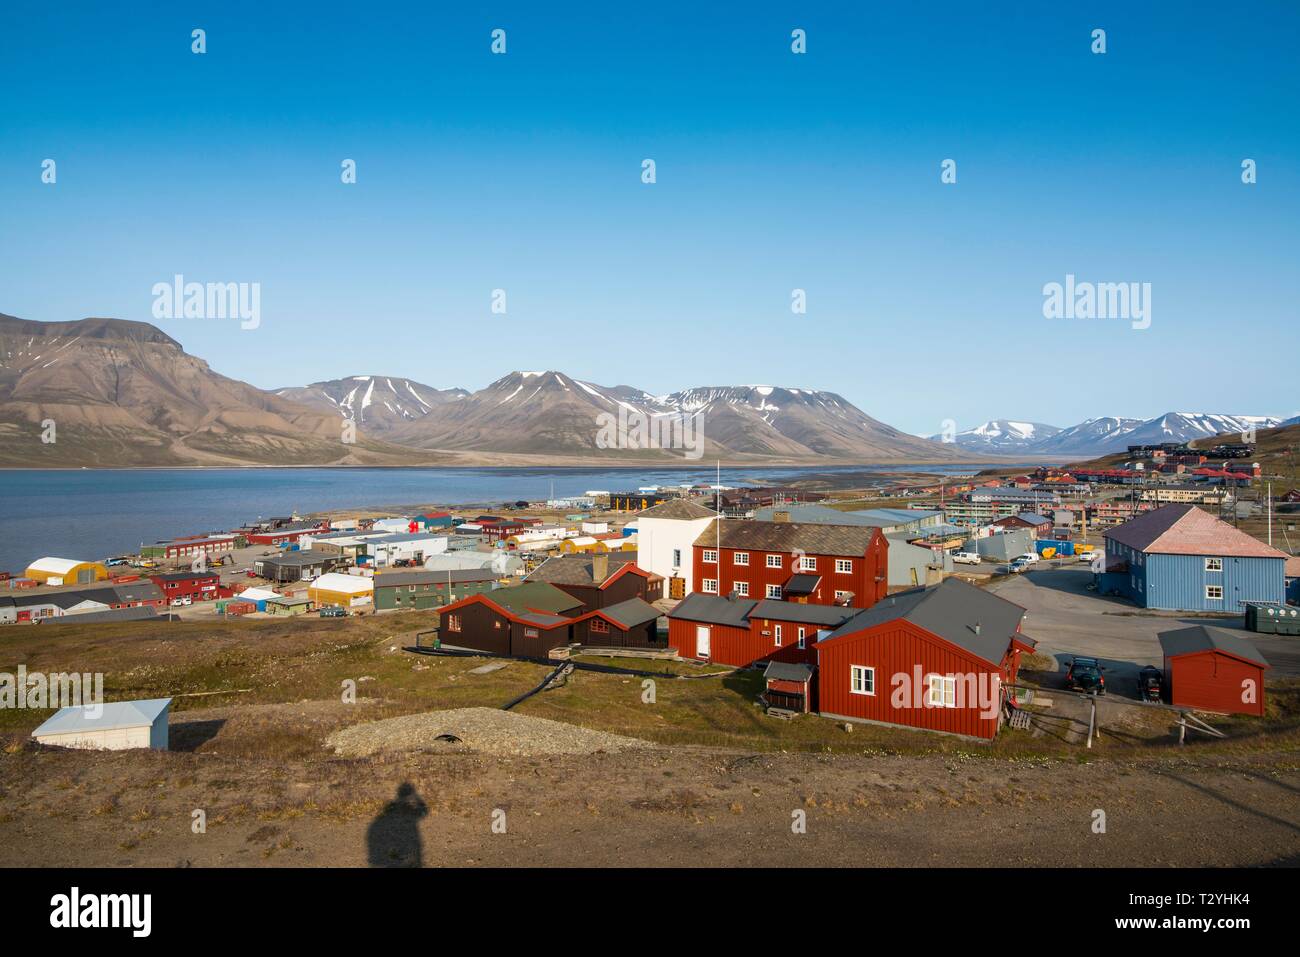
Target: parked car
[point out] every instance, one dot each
(1029, 558)
(1150, 683)
(333, 612)
(1085, 674)
(1017, 566)
(966, 558)
(1085, 556)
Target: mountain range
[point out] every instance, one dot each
(112, 392)
(1105, 435)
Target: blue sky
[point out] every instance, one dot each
(775, 172)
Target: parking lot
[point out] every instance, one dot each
(1066, 618)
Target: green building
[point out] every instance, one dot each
(422, 588)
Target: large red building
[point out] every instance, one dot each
(934, 658)
(792, 561)
(196, 586)
(739, 631)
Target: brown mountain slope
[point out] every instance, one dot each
(123, 393)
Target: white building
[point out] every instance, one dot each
(113, 726)
(665, 534)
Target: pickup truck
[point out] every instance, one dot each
(966, 558)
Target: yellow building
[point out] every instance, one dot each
(66, 571)
(343, 591)
(583, 543)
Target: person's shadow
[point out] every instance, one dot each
(393, 838)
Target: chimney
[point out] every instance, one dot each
(781, 516)
(599, 567)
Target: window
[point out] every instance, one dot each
(530, 632)
(774, 591)
(1214, 592)
(1214, 564)
(453, 622)
(742, 589)
(808, 564)
(599, 626)
(844, 566)
(710, 556)
(774, 561)
(801, 637)
(942, 692)
(677, 558)
(710, 586)
(843, 595)
(740, 558)
(776, 636)
(862, 680)
(410, 588)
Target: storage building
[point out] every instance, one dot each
(112, 726)
(343, 591)
(1213, 669)
(66, 571)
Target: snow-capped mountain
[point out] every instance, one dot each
(378, 404)
(1090, 437)
(551, 412)
(1187, 426)
(1002, 436)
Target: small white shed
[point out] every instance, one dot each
(111, 726)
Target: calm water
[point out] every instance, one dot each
(94, 514)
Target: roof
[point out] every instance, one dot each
(802, 583)
(714, 610)
(541, 596)
(677, 508)
(884, 517)
(307, 557)
(256, 595)
(812, 514)
(630, 613)
(134, 613)
(787, 671)
(425, 576)
(181, 576)
(56, 566)
(787, 536)
(350, 584)
(107, 717)
(825, 615)
(953, 610)
(1199, 638)
(576, 569)
(1291, 567)
(289, 600)
(1187, 530)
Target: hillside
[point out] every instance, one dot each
(378, 404)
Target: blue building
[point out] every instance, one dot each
(1179, 558)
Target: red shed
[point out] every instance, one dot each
(709, 626)
(933, 658)
(1213, 669)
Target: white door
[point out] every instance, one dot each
(701, 641)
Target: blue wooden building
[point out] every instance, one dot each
(1180, 558)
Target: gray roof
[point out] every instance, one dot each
(787, 536)
(714, 610)
(802, 583)
(787, 671)
(110, 716)
(885, 517)
(824, 615)
(1198, 638)
(424, 576)
(577, 568)
(307, 557)
(952, 610)
(813, 514)
(631, 613)
(107, 593)
(678, 508)
(134, 613)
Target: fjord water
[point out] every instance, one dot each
(97, 513)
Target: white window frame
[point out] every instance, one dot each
(774, 592)
(677, 558)
(802, 634)
(1214, 564)
(937, 691)
(742, 589)
(1210, 597)
(776, 635)
(709, 586)
(710, 556)
(862, 680)
(740, 558)
(844, 566)
(775, 561)
(807, 563)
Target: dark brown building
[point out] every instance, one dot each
(600, 579)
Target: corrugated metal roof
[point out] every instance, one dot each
(108, 717)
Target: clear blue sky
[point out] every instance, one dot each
(775, 171)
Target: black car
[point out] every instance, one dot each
(1085, 674)
(1150, 683)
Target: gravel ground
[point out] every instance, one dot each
(486, 730)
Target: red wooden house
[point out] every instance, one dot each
(740, 632)
(599, 579)
(818, 564)
(1213, 669)
(196, 586)
(933, 658)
